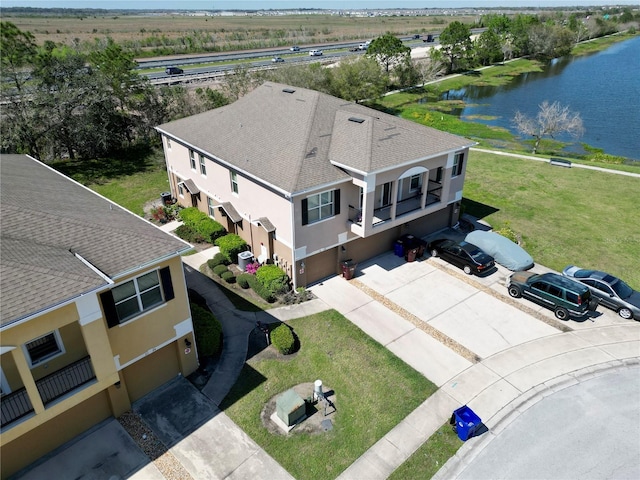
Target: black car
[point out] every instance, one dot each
(174, 71)
(612, 292)
(462, 254)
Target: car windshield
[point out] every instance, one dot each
(583, 273)
(622, 289)
(476, 254)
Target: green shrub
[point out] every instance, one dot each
(231, 245)
(220, 269)
(191, 216)
(210, 229)
(243, 281)
(188, 234)
(207, 331)
(200, 222)
(273, 278)
(260, 289)
(282, 339)
(218, 259)
(228, 277)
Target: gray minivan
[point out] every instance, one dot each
(561, 294)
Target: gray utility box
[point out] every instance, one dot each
(244, 259)
(290, 408)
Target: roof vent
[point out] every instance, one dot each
(288, 90)
(356, 119)
(312, 152)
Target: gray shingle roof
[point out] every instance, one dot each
(44, 219)
(294, 141)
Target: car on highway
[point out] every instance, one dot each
(612, 292)
(174, 71)
(564, 296)
(464, 255)
(295, 48)
(315, 53)
(277, 59)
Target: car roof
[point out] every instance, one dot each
(469, 247)
(563, 281)
(596, 274)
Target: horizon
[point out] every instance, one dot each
(211, 5)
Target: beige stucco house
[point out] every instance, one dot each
(93, 305)
(310, 180)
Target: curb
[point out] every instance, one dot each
(510, 412)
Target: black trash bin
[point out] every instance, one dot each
(466, 422)
(348, 269)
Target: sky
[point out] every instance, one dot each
(292, 4)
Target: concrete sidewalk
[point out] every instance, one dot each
(525, 361)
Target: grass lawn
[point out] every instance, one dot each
(429, 458)
(374, 390)
(565, 215)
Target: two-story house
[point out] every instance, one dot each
(310, 180)
(94, 310)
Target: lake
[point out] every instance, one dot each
(604, 88)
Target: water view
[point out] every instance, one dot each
(604, 88)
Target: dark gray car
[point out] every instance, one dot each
(612, 292)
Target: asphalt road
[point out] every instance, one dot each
(590, 430)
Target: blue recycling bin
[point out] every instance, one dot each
(466, 422)
(398, 248)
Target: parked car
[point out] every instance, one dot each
(612, 292)
(464, 255)
(506, 253)
(315, 53)
(416, 36)
(277, 59)
(174, 71)
(564, 296)
(295, 48)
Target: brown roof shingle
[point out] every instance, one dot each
(46, 218)
(294, 139)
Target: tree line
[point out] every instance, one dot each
(59, 102)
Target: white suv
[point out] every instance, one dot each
(315, 53)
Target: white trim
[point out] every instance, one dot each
(88, 308)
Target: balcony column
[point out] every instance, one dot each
(394, 199)
(424, 190)
(27, 380)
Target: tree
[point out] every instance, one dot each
(388, 50)
(17, 50)
(488, 48)
(357, 79)
(550, 41)
(552, 119)
(456, 46)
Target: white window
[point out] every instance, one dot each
(320, 206)
(181, 188)
(137, 295)
(458, 162)
(203, 166)
(234, 182)
(44, 348)
(192, 159)
(211, 206)
(415, 183)
(168, 143)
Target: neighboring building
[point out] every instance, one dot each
(310, 180)
(94, 310)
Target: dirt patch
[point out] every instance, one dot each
(316, 421)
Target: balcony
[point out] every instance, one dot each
(403, 207)
(17, 404)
